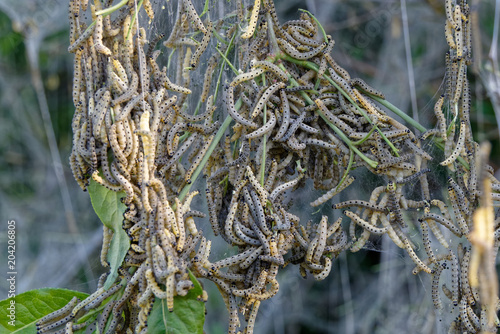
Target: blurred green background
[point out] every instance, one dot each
(396, 46)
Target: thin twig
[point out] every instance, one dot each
(409, 61)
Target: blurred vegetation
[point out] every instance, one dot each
(372, 291)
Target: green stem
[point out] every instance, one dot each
(98, 310)
(109, 10)
(222, 67)
(217, 138)
(415, 124)
(342, 136)
(383, 102)
(317, 22)
(346, 140)
(170, 57)
(301, 63)
(382, 135)
(219, 37)
(315, 67)
(207, 155)
(197, 110)
(205, 9)
(362, 140)
(318, 82)
(400, 113)
(133, 18)
(227, 61)
(272, 37)
(349, 165)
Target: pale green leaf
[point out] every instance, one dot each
(188, 315)
(109, 207)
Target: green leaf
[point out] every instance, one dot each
(188, 315)
(31, 306)
(118, 248)
(107, 204)
(109, 207)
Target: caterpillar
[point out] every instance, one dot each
(454, 278)
(420, 264)
(363, 223)
(240, 78)
(268, 66)
(194, 17)
(259, 213)
(253, 21)
(358, 203)
(202, 47)
(266, 128)
(332, 192)
(436, 299)
(62, 312)
(97, 36)
(293, 52)
(83, 37)
(427, 241)
(458, 148)
(365, 87)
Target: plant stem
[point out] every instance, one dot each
(317, 22)
(362, 140)
(205, 9)
(134, 18)
(227, 61)
(219, 37)
(342, 136)
(315, 67)
(348, 169)
(400, 113)
(272, 37)
(222, 67)
(207, 155)
(109, 10)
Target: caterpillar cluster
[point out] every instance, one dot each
(292, 123)
(293, 116)
(127, 129)
(299, 116)
(472, 189)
